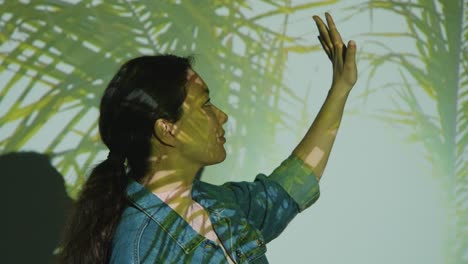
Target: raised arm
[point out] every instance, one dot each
(300, 173)
(314, 149)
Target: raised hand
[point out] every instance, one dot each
(343, 57)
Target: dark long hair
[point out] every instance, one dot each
(143, 90)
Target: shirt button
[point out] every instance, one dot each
(260, 243)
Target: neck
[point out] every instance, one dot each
(169, 180)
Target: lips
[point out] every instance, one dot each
(220, 137)
(220, 134)
(222, 140)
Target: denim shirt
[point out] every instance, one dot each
(244, 215)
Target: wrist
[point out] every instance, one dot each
(339, 90)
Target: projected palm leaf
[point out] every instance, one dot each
(439, 29)
(59, 56)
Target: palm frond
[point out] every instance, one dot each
(70, 51)
(439, 29)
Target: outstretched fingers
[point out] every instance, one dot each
(324, 36)
(326, 48)
(331, 40)
(337, 42)
(334, 34)
(343, 56)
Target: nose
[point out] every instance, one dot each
(223, 117)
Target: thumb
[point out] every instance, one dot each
(350, 59)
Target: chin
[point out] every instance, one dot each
(220, 157)
(223, 157)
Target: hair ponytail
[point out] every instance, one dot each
(102, 194)
(143, 90)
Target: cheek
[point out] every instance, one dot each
(200, 130)
(212, 117)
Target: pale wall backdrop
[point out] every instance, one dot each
(382, 199)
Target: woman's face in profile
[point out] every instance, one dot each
(200, 129)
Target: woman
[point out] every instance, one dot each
(144, 204)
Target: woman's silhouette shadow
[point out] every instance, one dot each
(35, 206)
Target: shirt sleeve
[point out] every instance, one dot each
(298, 180)
(271, 202)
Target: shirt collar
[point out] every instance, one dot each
(163, 215)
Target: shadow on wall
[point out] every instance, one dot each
(36, 205)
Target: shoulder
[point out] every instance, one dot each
(242, 191)
(208, 190)
(228, 189)
(125, 243)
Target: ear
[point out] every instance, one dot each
(163, 131)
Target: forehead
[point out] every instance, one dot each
(195, 84)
